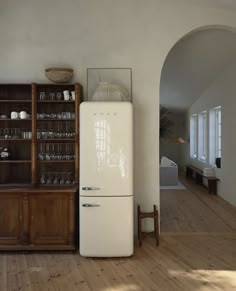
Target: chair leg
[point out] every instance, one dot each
(156, 225)
(139, 227)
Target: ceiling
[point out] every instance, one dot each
(192, 64)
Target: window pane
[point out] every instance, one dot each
(193, 136)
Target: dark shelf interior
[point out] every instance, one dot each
(20, 173)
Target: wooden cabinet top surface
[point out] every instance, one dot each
(30, 189)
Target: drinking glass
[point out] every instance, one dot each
(7, 133)
(49, 178)
(42, 96)
(47, 153)
(53, 154)
(63, 178)
(38, 134)
(57, 153)
(52, 95)
(59, 96)
(56, 179)
(68, 180)
(41, 155)
(44, 134)
(51, 133)
(43, 179)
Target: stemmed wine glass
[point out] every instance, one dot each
(49, 178)
(56, 179)
(47, 154)
(41, 154)
(43, 179)
(68, 178)
(63, 178)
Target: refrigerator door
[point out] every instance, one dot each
(106, 226)
(106, 149)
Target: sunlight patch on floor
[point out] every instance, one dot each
(123, 287)
(222, 279)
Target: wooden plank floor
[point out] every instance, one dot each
(197, 252)
(181, 262)
(194, 210)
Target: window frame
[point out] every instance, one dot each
(194, 136)
(203, 136)
(218, 132)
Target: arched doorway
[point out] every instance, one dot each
(196, 69)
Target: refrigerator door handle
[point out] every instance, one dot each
(90, 188)
(90, 205)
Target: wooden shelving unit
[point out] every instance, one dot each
(19, 97)
(36, 216)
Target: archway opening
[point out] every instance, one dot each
(197, 102)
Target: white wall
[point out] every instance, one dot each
(222, 92)
(105, 33)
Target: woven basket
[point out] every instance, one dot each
(59, 75)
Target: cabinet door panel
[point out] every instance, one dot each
(10, 218)
(49, 218)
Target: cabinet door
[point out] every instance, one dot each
(49, 218)
(10, 218)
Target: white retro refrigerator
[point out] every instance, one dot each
(106, 179)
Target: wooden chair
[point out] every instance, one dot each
(154, 215)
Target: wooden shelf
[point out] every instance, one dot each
(55, 119)
(56, 101)
(8, 186)
(56, 140)
(56, 161)
(15, 139)
(15, 161)
(15, 101)
(57, 185)
(10, 119)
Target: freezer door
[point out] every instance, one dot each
(106, 149)
(106, 226)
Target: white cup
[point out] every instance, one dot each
(14, 115)
(73, 95)
(66, 94)
(23, 115)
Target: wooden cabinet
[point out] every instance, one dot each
(39, 179)
(50, 218)
(38, 219)
(10, 219)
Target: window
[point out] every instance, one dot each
(215, 134)
(202, 136)
(205, 135)
(193, 136)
